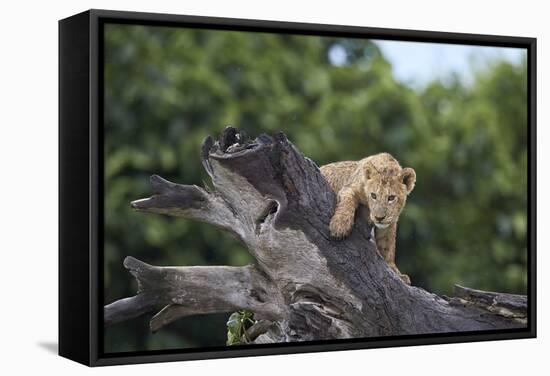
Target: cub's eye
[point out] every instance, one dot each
(373, 195)
(391, 198)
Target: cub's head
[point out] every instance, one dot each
(386, 192)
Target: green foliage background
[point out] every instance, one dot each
(166, 89)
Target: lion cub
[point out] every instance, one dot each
(379, 183)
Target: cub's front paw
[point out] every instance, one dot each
(405, 278)
(340, 226)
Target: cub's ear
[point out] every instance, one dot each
(408, 177)
(369, 171)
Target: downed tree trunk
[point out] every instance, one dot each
(304, 285)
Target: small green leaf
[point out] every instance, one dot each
(237, 324)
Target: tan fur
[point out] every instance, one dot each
(379, 183)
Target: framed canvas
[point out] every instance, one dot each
(235, 187)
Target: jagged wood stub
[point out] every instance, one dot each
(304, 285)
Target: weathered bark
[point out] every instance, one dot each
(304, 285)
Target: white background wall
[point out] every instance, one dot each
(28, 185)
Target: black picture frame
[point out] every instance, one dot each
(81, 188)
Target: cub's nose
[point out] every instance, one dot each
(379, 219)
